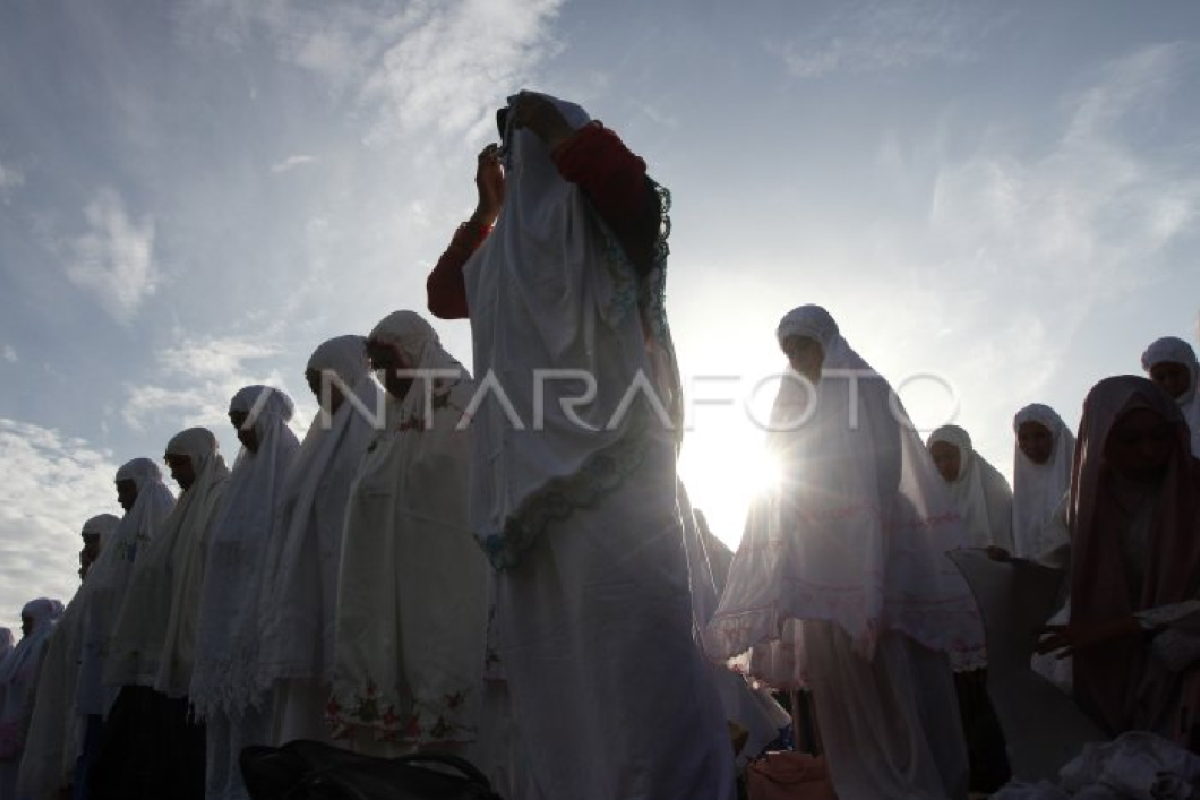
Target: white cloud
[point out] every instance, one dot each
(49, 485)
(10, 354)
(11, 179)
(291, 162)
(114, 259)
(203, 373)
(441, 65)
(882, 35)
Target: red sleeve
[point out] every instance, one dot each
(446, 289)
(614, 180)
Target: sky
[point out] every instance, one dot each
(997, 201)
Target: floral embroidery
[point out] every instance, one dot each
(446, 718)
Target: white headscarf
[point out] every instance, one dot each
(109, 576)
(154, 640)
(225, 675)
(857, 530)
(19, 674)
(1173, 349)
(296, 617)
(407, 540)
(1039, 489)
(981, 493)
(552, 289)
(102, 525)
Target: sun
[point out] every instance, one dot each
(724, 469)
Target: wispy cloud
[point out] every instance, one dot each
(49, 485)
(291, 162)
(9, 353)
(114, 259)
(863, 36)
(412, 67)
(11, 179)
(203, 374)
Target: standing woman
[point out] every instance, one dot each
(1042, 452)
(1171, 363)
(298, 596)
(224, 690)
(18, 681)
(413, 596)
(1135, 564)
(843, 565)
(575, 499)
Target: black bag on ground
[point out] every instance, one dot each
(305, 770)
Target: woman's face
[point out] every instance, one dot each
(948, 460)
(127, 493)
(26, 624)
(388, 362)
(245, 433)
(181, 470)
(1174, 378)
(333, 401)
(805, 355)
(1035, 441)
(1140, 446)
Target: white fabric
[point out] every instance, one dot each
(1170, 348)
(299, 594)
(1038, 489)
(549, 289)
(225, 676)
(413, 595)
(980, 492)
(6, 644)
(55, 731)
(755, 710)
(18, 681)
(1134, 766)
(153, 643)
(110, 575)
(856, 532)
(607, 684)
(889, 726)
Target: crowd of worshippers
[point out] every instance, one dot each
(547, 603)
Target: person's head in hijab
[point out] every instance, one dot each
(1036, 428)
(1141, 444)
(335, 368)
(949, 445)
(253, 408)
(404, 340)
(1171, 364)
(805, 335)
(95, 531)
(38, 615)
(189, 454)
(132, 477)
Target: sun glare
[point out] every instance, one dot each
(724, 470)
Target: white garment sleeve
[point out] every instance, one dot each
(1177, 647)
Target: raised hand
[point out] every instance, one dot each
(489, 180)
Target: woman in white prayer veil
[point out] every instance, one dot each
(154, 643)
(575, 501)
(147, 503)
(413, 596)
(225, 691)
(1042, 453)
(18, 680)
(1171, 363)
(299, 593)
(981, 493)
(843, 564)
(56, 733)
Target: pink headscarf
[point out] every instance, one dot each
(1119, 684)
